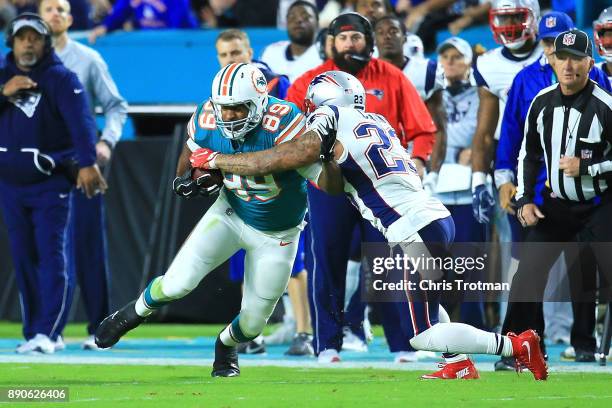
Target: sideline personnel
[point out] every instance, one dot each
(46, 144)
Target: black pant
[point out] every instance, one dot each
(582, 275)
(564, 222)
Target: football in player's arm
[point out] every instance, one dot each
(316, 144)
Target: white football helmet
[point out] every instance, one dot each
(413, 47)
(600, 26)
(239, 84)
(336, 88)
(513, 22)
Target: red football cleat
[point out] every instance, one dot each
(461, 370)
(527, 352)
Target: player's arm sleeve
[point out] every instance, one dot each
(415, 119)
(118, 16)
(297, 92)
(113, 105)
(530, 157)
(511, 136)
(292, 126)
(77, 116)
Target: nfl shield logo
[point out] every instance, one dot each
(551, 22)
(569, 39)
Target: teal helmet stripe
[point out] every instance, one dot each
(231, 82)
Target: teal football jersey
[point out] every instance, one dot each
(274, 202)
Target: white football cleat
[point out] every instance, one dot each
(329, 356)
(59, 344)
(351, 342)
(40, 343)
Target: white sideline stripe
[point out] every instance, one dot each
(427, 366)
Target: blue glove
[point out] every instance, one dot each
(482, 204)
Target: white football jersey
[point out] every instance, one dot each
(495, 70)
(425, 75)
(280, 60)
(379, 176)
(602, 65)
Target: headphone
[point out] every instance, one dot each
(36, 19)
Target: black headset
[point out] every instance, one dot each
(36, 19)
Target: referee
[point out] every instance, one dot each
(569, 128)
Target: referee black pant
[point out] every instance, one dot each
(565, 223)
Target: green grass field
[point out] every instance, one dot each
(192, 386)
(185, 386)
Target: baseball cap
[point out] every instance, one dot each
(575, 42)
(350, 22)
(31, 20)
(460, 45)
(554, 23)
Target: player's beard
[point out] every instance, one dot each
(347, 64)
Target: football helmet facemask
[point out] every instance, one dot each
(513, 22)
(603, 42)
(239, 84)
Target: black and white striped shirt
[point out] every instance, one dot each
(553, 130)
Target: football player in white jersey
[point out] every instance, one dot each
(602, 31)
(514, 24)
(300, 54)
(426, 76)
(381, 179)
(413, 47)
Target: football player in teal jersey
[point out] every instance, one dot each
(263, 215)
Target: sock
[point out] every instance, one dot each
(232, 334)
(503, 345)
(461, 338)
(152, 298)
(454, 358)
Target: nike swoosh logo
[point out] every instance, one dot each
(284, 243)
(526, 345)
(63, 195)
(78, 91)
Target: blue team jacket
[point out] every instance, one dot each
(43, 128)
(526, 85)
